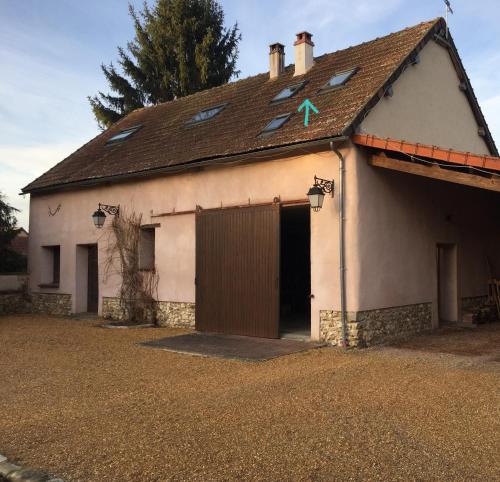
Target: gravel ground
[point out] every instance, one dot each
(90, 404)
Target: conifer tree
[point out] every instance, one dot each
(180, 47)
(10, 261)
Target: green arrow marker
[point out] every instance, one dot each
(307, 104)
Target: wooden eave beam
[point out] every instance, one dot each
(436, 172)
(431, 152)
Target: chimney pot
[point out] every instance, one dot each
(304, 37)
(304, 56)
(276, 60)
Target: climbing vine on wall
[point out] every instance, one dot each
(138, 288)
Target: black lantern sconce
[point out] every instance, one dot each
(99, 216)
(317, 192)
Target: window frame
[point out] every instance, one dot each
(151, 230)
(132, 131)
(53, 268)
(193, 122)
(299, 86)
(266, 132)
(328, 88)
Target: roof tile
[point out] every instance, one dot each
(165, 139)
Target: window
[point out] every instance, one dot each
(288, 92)
(122, 135)
(147, 249)
(275, 124)
(206, 114)
(51, 266)
(338, 80)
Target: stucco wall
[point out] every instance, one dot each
(288, 178)
(428, 107)
(401, 219)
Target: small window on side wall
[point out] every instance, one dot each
(147, 249)
(51, 266)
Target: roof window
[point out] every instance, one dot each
(122, 135)
(275, 124)
(338, 80)
(206, 114)
(288, 92)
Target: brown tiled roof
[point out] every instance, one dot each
(20, 242)
(165, 139)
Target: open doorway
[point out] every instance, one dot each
(295, 276)
(447, 276)
(87, 279)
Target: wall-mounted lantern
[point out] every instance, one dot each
(317, 192)
(99, 216)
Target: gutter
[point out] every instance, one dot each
(192, 166)
(342, 284)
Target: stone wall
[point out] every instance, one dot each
(111, 309)
(169, 313)
(330, 327)
(373, 327)
(51, 303)
(476, 309)
(14, 302)
(176, 314)
(474, 303)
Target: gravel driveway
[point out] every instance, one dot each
(91, 404)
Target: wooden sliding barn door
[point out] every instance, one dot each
(237, 271)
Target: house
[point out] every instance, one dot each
(408, 240)
(20, 243)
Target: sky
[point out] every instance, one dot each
(51, 51)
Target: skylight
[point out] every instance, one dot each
(275, 124)
(206, 114)
(288, 92)
(122, 135)
(338, 80)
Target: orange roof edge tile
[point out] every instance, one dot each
(432, 152)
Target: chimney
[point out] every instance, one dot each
(276, 60)
(304, 59)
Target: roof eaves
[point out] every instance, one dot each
(198, 164)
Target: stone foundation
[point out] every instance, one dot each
(14, 302)
(51, 303)
(373, 327)
(330, 327)
(474, 303)
(111, 309)
(477, 310)
(169, 313)
(176, 314)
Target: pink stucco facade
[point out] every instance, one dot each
(287, 178)
(394, 222)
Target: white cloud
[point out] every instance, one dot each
(21, 165)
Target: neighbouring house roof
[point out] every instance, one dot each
(167, 140)
(20, 242)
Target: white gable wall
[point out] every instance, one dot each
(428, 107)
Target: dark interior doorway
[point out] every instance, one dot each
(295, 277)
(92, 280)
